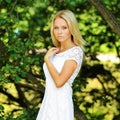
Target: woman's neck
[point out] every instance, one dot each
(66, 46)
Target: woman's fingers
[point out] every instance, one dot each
(50, 53)
(54, 50)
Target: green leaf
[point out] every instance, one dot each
(1, 108)
(1, 118)
(0, 1)
(8, 1)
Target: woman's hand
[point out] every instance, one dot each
(52, 51)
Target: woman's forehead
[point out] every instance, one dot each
(60, 21)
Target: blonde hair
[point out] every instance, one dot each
(69, 17)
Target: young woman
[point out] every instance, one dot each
(62, 64)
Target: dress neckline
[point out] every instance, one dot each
(67, 50)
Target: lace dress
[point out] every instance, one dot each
(57, 103)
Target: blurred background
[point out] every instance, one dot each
(25, 38)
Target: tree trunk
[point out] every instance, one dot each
(107, 15)
(79, 114)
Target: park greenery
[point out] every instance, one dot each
(24, 40)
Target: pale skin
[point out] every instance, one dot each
(63, 35)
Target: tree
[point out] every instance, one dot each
(109, 18)
(24, 38)
(107, 15)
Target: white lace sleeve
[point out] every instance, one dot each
(76, 54)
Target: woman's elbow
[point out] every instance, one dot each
(59, 85)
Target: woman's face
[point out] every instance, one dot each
(61, 30)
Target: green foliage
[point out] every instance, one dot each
(28, 114)
(24, 32)
(1, 112)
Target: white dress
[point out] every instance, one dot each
(57, 103)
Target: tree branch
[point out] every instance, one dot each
(79, 114)
(15, 3)
(106, 92)
(107, 15)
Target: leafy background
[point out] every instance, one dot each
(25, 38)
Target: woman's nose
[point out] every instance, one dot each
(59, 30)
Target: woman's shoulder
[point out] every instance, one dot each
(75, 53)
(76, 49)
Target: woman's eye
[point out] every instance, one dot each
(64, 27)
(55, 27)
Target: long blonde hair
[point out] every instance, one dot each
(69, 17)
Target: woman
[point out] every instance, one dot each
(62, 64)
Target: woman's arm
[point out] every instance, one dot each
(59, 78)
